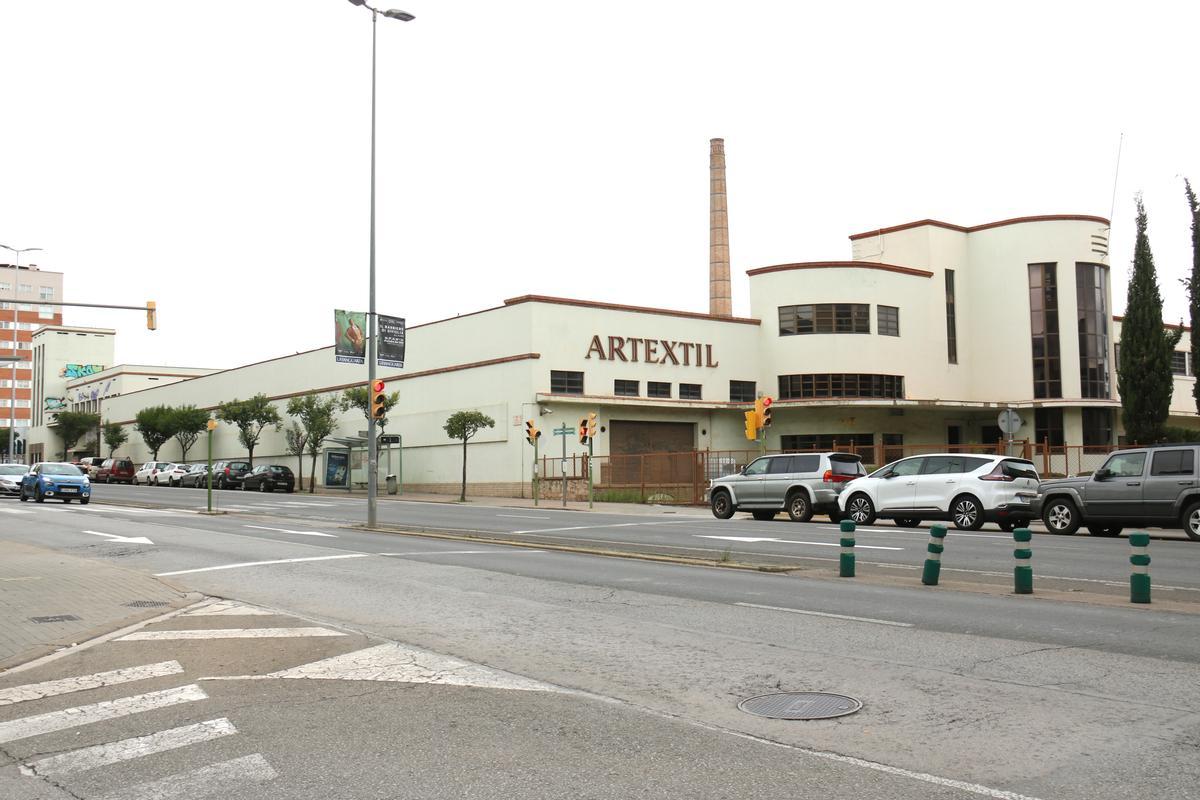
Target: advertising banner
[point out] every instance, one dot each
(350, 331)
(336, 472)
(391, 342)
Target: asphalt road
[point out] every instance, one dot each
(1008, 694)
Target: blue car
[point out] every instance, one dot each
(57, 481)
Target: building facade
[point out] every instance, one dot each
(24, 292)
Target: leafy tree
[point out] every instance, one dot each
(360, 397)
(318, 419)
(463, 425)
(156, 424)
(1193, 284)
(251, 417)
(73, 426)
(189, 423)
(297, 439)
(115, 435)
(1144, 377)
(4, 434)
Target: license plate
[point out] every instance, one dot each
(67, 489)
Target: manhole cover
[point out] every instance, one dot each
(800, 705)
(147, 604)
(55, 618)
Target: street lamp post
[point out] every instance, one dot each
(12, 403)
(372, 326)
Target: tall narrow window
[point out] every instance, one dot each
(888, 320)
(1043, 319)
(1048, 425)
(951, 324)
(1091, 281)
(1097, 426)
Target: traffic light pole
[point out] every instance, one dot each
(372, 455)
(535, 471)
(589, 472)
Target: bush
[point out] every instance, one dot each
(618, 496)
(1173, 434)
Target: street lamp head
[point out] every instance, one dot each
(359, 2)
(396, 13)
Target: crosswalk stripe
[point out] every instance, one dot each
(103, 755)
(36, 691)
(226, 778)
(97, 712)
(227, 633)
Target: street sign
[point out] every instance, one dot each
(390, 438)
(1009, 421)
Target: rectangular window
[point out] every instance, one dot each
(26, 288)
(893, 447)
(46, 292)
(1048, 423)
(887, 320)
(825, 318)
(563, 382)
(1097, 427)
(658, 389)
(797, 387)
(742, 391)
(1091, 297)
(1173, 462)
(1179, 363)
(45, 312)
(626, 388)
(5, 287)
(689, 391)
(951, 324)
(826, 441)
(1043, 319)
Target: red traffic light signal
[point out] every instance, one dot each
(378, 399)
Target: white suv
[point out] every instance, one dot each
(965, 489)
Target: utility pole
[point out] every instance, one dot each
(12, 403)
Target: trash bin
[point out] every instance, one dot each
(392, 486)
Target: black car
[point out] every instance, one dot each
(228, 474)
(268, 478)
(197, 477)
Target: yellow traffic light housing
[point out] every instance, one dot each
(378, 400)
(583, 428)
(532, 434)
(151, 315)
(752, 425)
(591, 425)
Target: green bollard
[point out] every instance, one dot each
(933, 560)
(1023, 571)
(1139, 581)
(846, 560)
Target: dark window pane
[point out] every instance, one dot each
(625, 388)
(1043, 323)
(742, 391)
(888, 320)
(658, 389)
(689, 391)
(840, 385)
(562, 382)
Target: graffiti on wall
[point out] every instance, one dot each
(94, 393)
(72, 371)
(54, 404)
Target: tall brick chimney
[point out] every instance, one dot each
(720, 301)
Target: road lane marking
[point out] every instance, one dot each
(36, 691)
(115, 539)
(26, 511)
(103, 755)
(259, 564)
(304, 504)
(610, 525)
(227, 779)
(831, 616)
(228, 633)
(228, 608)
(286, 530)
(520, 516)
(793, 541)
(463, 552)
(97, 712)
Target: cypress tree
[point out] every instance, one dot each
(1193, 284)
(1144, 377)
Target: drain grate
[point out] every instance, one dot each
(55, 618)
(147, 604)
(800, 705)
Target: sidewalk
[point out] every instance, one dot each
(524, 502)
(49, 600)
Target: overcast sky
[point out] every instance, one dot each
(214, 156)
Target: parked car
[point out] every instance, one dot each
(268, 478)
(968, 490)
(116, 470)
(1136, 487)
(10, 478)
(149, 471)
(171, 475)
(57, 481)
(228, 474)
(90, 465)
(802, 484)
(196, 477)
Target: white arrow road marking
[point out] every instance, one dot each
(286, 530)
(97, 712)
(36, 691)
(260, 564)
(794, 541)
(103, 755)
(226, 779)
(15, 511)
(831, 616)
(228, 633)
(112, 537)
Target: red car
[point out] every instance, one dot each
(116, 470)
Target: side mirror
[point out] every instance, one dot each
(1102, 474)
(888, 475)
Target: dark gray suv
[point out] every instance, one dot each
(1138, 487)
(802, 484)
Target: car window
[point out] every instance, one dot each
(909, 466)
(60, 469)
(1126, 465)
(943, 465)
(845, 465)
(806, 463)
(12, 469)
(758, 467)
(1173, 462)
(1020, 469)
(780, 465)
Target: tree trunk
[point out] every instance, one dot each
(312, 472)
(463, 495)
(250, 455)
(300, 471)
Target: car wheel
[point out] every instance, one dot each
(967, 513)
(1102, 530)
(1191, 522)
(24, 498)
(108, 479)
(83, 501)
(861, 510)
(798, 507)
(243, 486)
(38, 497)
(262, 487)
(1007, 526)
(221, 482)
(1061, 517)
(722, 506)
(762, 515)
(835, 517)
(906, 522)
(291, 489)
(66, 500)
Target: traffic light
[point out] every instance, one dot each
(764, 417)
(532, 434)
(378, 400)
(751, 425)
(591, 425)
(151, 315)
(583, 436)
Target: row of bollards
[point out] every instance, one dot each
(1139, 579)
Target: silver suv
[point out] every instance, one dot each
(1142, 487)
(802, 484)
